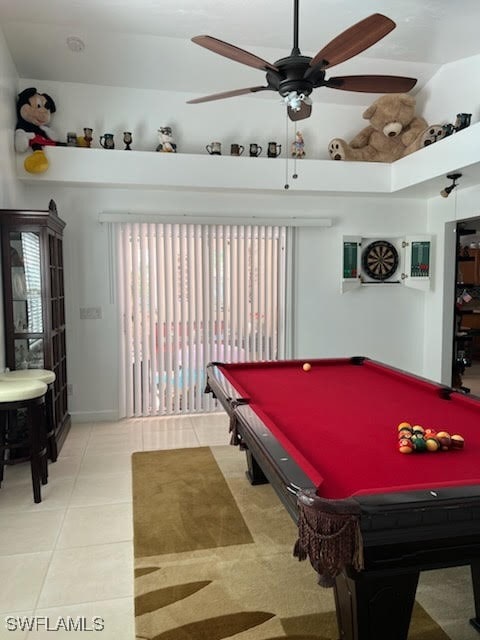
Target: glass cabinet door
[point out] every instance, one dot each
(27, 299)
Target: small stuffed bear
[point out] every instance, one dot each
(394, 132)
(34, 112)
(167, 145)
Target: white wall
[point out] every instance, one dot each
(381, 321)
(393, 324)
(453, 89)
(10, 188)
(383, 324)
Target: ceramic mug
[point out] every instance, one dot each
(214, 149)
(236, 149)
(255, 150)
(463, 121)
(107, 141)
(71, 139)
(274, 149)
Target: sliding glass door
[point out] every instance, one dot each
(190, 294)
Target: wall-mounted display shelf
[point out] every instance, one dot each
(419, 174)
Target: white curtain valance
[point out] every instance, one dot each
(207, 218)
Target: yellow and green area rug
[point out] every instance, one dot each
(213, 556)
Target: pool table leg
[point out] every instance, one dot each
(254, 472)
(375, 606)
(475, 569)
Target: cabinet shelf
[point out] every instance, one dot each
(34, 333)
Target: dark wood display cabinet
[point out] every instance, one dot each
(34, 304)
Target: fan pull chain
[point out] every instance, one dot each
(287, 186)
(294, 174)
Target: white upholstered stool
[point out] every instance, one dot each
(48, 377)
(28, 395)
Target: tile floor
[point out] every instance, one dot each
(72, 555)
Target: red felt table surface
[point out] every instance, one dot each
(339, 422)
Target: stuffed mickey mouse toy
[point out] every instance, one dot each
(34, 112)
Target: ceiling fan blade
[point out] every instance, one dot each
(228, 94)
(372, 84)
(354, 40)
(302, 114)
(233, 52)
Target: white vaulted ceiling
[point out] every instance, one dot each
(146, 43)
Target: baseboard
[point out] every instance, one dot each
(94, 416)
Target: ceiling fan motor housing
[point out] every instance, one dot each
(291, 76)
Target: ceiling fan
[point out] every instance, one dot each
(295, 76)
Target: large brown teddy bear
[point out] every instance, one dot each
(394, 132)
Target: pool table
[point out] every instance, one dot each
(327, 441)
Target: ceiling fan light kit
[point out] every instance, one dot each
(296, 76)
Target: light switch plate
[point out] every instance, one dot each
(90, 313)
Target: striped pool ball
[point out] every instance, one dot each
(445, 440)
(418, 429)
(457, 442)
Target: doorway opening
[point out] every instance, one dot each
(466, 351)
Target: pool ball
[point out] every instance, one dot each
(307, 366)
(404, 425)
(419, 443)
(432, 443)
(457, 442)
(418, 429)
(405, 446)
(445, 440)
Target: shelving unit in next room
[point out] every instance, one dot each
(466, 347)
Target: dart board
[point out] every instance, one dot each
(380, 260)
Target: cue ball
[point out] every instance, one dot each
(307, 366)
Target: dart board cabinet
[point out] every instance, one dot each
(403, 260)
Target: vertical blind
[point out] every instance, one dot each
(190, 294)
(31, 260)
